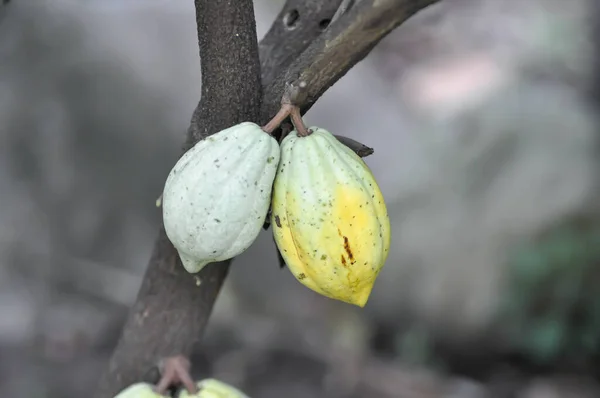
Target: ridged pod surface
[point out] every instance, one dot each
(217, 195)
(212, 388)
(139, 390)
(329, 218)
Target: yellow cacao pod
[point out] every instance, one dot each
(329, 218)
(212, 388)
(139, 390)
(217, 195)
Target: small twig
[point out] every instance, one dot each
(289, 108)
(281, 115)
(175, 370)
(358, 147)
(303, 131)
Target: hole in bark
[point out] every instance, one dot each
(324, 23)
(291, 19)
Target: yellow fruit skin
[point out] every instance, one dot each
(212, 388)
(329, 218)
(139, 390)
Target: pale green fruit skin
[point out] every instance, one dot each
(212, 388)
(139, 390)
(217, 195)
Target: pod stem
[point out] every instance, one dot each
(175, 370)
(296, 117)
(281, 115)
(287, 110)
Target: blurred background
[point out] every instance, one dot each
(485, 149)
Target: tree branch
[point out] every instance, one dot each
(344, 8)
(173, 307)
(332, 54)
(171, 310)
(297, 25)
(227, 63)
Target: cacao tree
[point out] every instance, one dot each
(309, 47)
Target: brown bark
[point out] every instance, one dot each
(171, 310)
(347, 41)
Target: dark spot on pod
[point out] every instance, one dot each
(348, 250)
(301, 276)
(217, 220)
(344, 261)
(277, 221)
(323, 257)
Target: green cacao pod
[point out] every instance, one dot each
(217, 195)
(329, 218)
(212, 388)
(139, 390)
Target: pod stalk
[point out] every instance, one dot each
(303, 131)
(287, 110)
(281, 115)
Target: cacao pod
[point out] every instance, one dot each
(216, 197)
(329, 217)
(139, 390)
(212, 388)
